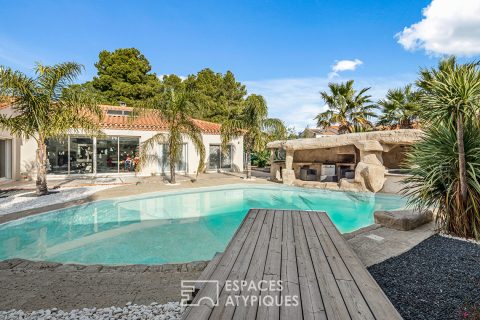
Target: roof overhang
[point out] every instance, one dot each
(392, 137)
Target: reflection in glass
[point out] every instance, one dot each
(163, 162)
(81, 155)
(128, 153)
(218, 159)
(107, 154)
(57, 155)
(214, 157)
(227, 158)
(3, 158)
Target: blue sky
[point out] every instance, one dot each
(285, 50)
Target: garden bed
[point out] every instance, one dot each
(437, 279)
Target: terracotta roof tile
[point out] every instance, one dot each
(147, 121)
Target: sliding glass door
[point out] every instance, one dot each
(107, 154)
(164, 164)
(86, 155)
(81, 155)
(57, 155)
(219, 160)
(3, 158)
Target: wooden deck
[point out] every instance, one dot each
(306, 252)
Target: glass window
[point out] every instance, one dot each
(227, 158)
(81, 155)
(218, 159)
(214, 157)
(3, 157)
(107, 154)
(57, 155)
(128, 152)
(163, 163)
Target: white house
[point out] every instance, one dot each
(115, 152)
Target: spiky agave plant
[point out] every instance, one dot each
(435, 180)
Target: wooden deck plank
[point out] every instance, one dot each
(377, 301)
(307, 253)
(207, 272)
(221, 271)
(239, 269)
(312, 303)
(332, 299)
(272, 267)
(356, 304)
(256, 268)
(289, 272)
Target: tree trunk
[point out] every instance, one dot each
(41, 159)
(461, 159)
(249, 163)
(172, 173)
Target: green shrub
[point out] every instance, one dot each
(435, 179)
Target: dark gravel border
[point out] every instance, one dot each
(437, 279)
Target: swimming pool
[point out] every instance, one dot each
(171, 227)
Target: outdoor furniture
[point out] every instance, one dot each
(308, 174)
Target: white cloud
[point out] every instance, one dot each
(448, 27)
(297, 100)
(344, 65)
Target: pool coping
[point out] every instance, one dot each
(18, 264)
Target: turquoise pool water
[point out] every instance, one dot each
(171, 227)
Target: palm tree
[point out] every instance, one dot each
(451, 96)
(43, 109)
(173, 105)
(350, 109)
(400, 108)
(253, 124)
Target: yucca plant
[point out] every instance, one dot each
(445, 164)
(435, 180)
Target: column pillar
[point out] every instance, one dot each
(288, 173)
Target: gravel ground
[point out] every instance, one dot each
(437, 279)
(25, 200)
(168, 311)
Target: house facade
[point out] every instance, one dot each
(116, 151)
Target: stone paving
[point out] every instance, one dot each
(375, 244)
(31, 286)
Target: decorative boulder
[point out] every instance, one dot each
(403, 219)
(372, 176)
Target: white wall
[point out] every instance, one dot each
(15, 144)
(28, 149)
(24, 151)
